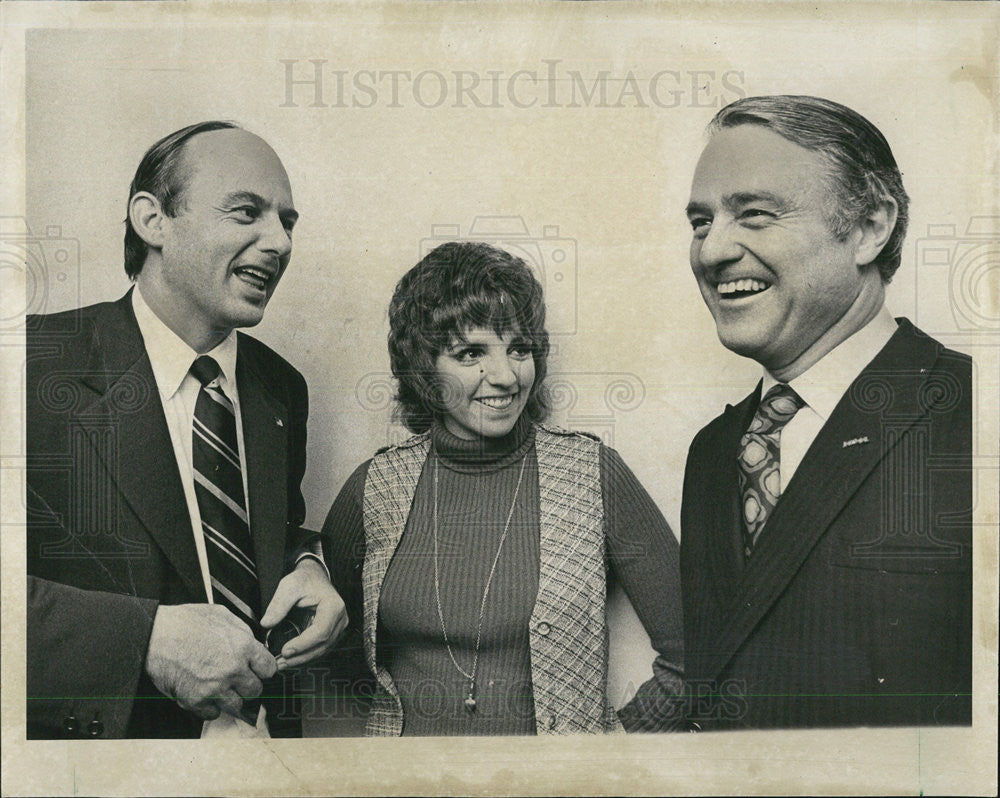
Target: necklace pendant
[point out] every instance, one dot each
(470, 703)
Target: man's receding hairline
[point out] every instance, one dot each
(237, 130)
(760, 124)
(833, 168)
(184, 169)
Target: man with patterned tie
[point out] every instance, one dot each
(826, 519)
(165, 455)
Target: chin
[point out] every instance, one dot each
(495, 432)
(740, 344)
(247, 319)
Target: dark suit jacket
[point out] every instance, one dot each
(109, 535)
(856, 606)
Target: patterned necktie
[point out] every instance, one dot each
(218, 484)
(760, 460)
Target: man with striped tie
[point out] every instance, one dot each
(826, 532)
(165, 455)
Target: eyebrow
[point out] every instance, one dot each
(459, 341)
(749, 197)
(694, 208)
(457, 345)
(738, 199)
(288, 215)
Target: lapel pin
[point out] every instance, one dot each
(278, 421)
(855, 441)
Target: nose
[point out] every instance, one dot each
(275, 238)
(500, 370)
(718, 247)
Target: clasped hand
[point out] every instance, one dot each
(208, 660)
(307, 587)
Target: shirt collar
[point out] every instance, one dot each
(170, 357)
(823, 384)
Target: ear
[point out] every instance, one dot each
(875, 230)
(147, 218)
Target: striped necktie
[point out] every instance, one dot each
(218, 484)
(760, 460)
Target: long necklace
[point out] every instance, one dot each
(470, 699)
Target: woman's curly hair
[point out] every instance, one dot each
(457, 287)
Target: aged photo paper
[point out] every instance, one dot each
(567, 133)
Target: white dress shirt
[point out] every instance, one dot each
(824, 384)
(171, 358)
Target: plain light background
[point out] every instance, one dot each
(604, 185)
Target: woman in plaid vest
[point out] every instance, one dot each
(474, 558)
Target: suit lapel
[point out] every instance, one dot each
(829, 475)
(265, 440)
(144, 468)
(722, 511)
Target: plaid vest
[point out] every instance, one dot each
(568, 629)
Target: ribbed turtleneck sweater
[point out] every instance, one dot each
(476, 482)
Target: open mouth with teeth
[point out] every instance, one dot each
(253, 275)
(737, 289)
(497, 402)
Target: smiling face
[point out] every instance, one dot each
(222, 254)
(779, 284)
(485, 382)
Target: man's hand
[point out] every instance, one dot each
(308, 587)
(206, 658)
